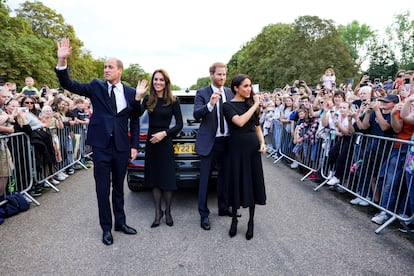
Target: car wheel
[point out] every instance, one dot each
(135, 187)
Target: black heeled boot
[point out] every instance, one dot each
(249, 232)
(233, 227)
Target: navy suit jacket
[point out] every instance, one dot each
(208, 127)
(105, 123)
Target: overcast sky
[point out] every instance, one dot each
(185, 37)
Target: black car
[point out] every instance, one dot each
(187, 161)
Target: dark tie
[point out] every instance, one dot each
(221, 117)
(113, 99)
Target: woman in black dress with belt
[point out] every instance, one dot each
(246, 185)
(159, 153)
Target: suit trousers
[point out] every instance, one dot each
(110, 163)
(218, 157)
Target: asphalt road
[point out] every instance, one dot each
(298, 232)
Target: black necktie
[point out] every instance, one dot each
(113, 99)
(221, 117)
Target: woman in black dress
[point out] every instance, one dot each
(246, 185)
(159, 153)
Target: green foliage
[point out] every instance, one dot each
(401, 37)
(282, 53)
(383, 62)
(45, 22)
(202, 82)
(29, 44)
(358, 39)
(22, 53)
(133, 74)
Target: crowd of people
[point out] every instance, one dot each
(43, 114)
(337, 112)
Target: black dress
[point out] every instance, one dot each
(246, 181)
(159, 157)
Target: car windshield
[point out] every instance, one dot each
(187, 108)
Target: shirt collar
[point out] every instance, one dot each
(217, 88)
(118, 85)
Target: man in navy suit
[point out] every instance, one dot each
(108, 135)
(212, 139)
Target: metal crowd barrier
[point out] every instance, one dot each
(306, 154)
(20, 170)
(374, 169)
(70, 147)
(17, 155)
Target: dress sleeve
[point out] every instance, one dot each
(228, 111)
(176, 110)
(144, 105)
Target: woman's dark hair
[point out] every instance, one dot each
(236, 81)
(339, 93)
(32, 99)
(168, 97)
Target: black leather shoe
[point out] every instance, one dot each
(205, 223)
(228, 213)
(107, 238)
(168, 219)
(126, 229)
(156, 222)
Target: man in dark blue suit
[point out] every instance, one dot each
(212, 139)
(115, 111)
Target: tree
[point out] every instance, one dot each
(50, 27)
(401, 34)
(201, 82)
(133, 74)
(358, 38)
(383, 62)
(21, 52)
(282, 53)
(45, 22)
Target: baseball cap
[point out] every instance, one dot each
(390, 98)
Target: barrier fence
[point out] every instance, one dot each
(70, 150)
(16, 164)
(25, 161)
(376, 170)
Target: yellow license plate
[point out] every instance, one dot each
(187, 148)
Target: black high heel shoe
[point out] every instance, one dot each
(157, 223)
(168, 219)
(233, 228)
(249, 233)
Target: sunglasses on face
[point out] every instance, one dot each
(28, 102)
